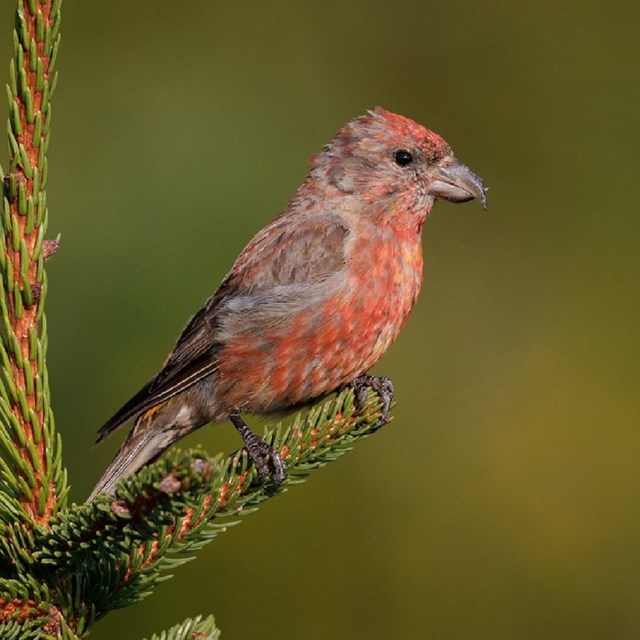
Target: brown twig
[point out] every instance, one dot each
(21, 611)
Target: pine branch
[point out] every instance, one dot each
(32, 481)
(113, 551)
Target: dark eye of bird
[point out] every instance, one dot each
(403, 157)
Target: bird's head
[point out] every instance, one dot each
(384, 157)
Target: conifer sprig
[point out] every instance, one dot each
(197, 629)
(118, 547)
(32, 481)
(112, 552)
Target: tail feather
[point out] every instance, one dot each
(141, 447)
(152, 434)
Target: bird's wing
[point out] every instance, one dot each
(291, 251)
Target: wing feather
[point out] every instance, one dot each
(289, 251)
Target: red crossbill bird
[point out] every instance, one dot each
(312, 302)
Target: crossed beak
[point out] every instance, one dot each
(455, 182)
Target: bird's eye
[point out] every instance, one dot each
(403, 157)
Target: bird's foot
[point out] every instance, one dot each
(383, 388)
(267, 460)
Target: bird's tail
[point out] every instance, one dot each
(152, 433)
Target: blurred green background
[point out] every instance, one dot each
(504, 500)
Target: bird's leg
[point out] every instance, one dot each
(260, 452)
(382, 386)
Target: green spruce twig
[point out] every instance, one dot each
(117, 548)
(32, 481)
(196, 629)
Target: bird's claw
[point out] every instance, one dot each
(268, 461)
(384, 390)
